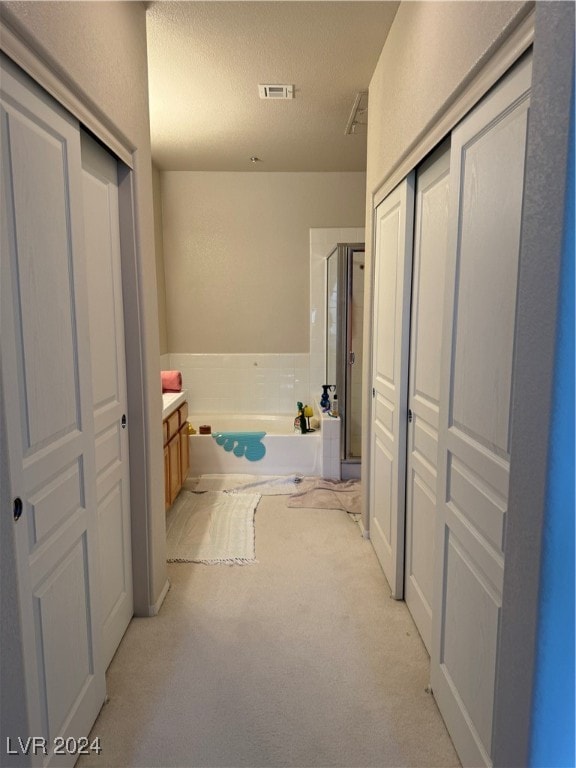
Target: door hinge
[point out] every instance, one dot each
(409, 416)
(351, 358)
(373, 392)
(123, 421)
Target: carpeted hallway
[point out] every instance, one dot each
(299, 660)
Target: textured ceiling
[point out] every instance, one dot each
(206, 60)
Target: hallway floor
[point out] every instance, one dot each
(300, 660)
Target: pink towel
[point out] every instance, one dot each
(171, 381)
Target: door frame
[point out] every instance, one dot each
(534, 375)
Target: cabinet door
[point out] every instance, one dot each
(173, 422)
(166, 477)
(184, 454)
(174, 461)
(46, 378)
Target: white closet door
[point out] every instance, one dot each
(106, 315)
(48, 392)
(430, 245)
(392, 274)
(487, 169)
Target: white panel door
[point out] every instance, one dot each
(487, 173)
(48, 390)
(430, 245)
(392, 273)
(102, 237)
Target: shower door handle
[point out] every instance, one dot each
(351, 358)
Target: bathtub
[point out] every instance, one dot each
(287, 452)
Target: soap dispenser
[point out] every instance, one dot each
(325, 399)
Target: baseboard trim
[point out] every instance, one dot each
(154, 609)
(365, 532)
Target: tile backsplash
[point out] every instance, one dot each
(243, 383)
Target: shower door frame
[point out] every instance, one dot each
(345, 255)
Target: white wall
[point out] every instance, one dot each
(236, 255)
(432, 49)
(244, 383)
(160, 279)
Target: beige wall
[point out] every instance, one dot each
(431, 53)
(237, 255)
(159, 240)
(99, 51)
(433, 48)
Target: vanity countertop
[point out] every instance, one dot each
(171, 401)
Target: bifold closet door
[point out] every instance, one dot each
(394, 219)
(487, 177)
(106, 316)
(430, 244)
(48, 401)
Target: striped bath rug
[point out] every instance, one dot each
(211, 528)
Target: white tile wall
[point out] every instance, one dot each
(243, 383)
(330, 428)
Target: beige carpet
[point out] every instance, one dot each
(300, 660)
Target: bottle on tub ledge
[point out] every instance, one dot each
(325, 399)
(302, 421)
(334, 411)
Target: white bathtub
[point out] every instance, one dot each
(287, 452)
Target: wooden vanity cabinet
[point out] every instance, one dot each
(176, 453)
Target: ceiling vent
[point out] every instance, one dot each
(276, 91)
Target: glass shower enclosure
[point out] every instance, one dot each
(344, 329)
